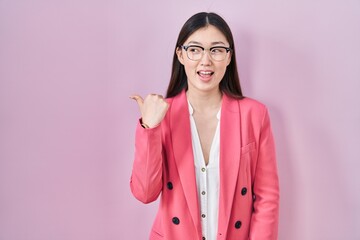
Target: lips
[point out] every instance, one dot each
(205, 75)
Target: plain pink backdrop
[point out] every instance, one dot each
(67, 125)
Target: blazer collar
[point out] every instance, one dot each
(229, 156)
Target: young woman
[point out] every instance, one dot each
(206, 149)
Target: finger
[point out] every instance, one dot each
(138, 99)
(157, 95)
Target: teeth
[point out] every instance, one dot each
(205, 72)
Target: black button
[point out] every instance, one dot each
(238, 225)
(243, 191)
(176, 220)
(170, 185)
(203, 238)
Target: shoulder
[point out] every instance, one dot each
(177, 100)
(251, 104)
(169, 100)
(245, 104)
(177, 107)
(252, 109)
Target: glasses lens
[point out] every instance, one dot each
(194, 52)
(218, 53)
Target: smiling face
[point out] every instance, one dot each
(204, 75)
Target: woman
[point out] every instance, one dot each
(206, 149)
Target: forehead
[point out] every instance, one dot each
(207, 36)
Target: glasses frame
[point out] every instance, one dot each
(228, 49)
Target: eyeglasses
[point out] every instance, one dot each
(195, 53)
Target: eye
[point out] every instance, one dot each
(194, 49)
(217, 50)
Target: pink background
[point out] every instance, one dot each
(67, 125)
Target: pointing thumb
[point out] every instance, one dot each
(138, 99)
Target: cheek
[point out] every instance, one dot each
(190, 68)
(221, 70)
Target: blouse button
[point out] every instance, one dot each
(244, 191)
(203, 169)
(203, 215)
(203, 192)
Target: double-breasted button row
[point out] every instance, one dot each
(243, 193)
(175, 220)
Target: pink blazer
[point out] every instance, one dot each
(249, 187)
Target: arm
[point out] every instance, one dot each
(264, 221)
(146, 178)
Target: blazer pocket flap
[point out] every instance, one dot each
(155, 235)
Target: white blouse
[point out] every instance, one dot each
(207, 179)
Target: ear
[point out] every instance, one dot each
(180, 55)
(229, 59)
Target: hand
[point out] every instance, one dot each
(153, 108)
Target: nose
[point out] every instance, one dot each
(206, 58)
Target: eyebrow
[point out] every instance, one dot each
(213, 43)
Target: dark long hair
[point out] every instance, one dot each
(230, 84)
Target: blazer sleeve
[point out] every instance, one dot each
(264, 221)
(146, 177)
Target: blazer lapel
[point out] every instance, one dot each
(230, 143)
(183, 153)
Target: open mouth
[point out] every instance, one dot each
(205, 73)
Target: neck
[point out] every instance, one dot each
(204, 101)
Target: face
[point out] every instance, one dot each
(205, 74)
